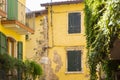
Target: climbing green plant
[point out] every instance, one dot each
(32, 70)
(102, 24)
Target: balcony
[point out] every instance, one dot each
(19, 18)
(3, 8)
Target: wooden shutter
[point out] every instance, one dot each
(3, 43)
(78, 60)
(12, 9)
(74, 60)
(20, 50)
(74, 23)
(20, 56)
(19, 74)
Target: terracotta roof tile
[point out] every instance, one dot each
(62, 3)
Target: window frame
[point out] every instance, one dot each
(80, 26)
(74, 49)
(11, 41)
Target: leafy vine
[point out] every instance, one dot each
(102, 24)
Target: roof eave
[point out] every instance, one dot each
(62, 3)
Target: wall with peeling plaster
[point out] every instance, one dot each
(60, 41)
(35, 44)
(57, 42)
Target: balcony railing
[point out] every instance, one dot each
(3, 8)
(19, 18)
(19, 12)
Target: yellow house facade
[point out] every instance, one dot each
(14, 25)
(36, 41)
(66, 50)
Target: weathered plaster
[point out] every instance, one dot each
(50, 75)
(58, 61)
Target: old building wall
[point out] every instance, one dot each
(60, 41)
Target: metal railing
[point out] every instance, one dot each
(18, 11)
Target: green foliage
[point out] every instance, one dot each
(7, 62)
(33, 70)
(9, 66)
(102, 23)
(30, 69)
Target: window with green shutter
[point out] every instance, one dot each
(19, 56)
(3, 43)
(19, 74)
(74, 22)
(12, 9)
(74, 60)
(20, 50)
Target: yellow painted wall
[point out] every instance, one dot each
(63, 74)
(36, 41)
(16, 36)
(60, 41)
(32, 45)
(13, 34)
(60, 23)
(21, 10)
(22, 1)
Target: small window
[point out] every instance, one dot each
(74, 60)
(74, 23)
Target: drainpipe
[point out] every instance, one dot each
(51, 14)
(47, 52)
(51, 23)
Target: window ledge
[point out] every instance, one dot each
(76, 34)
(74, 72)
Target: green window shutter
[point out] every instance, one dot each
(12, 9)
(78, 60)
(3, 43)
(20, 50)
(19, 56)
(74, 23)
(74, 60)
(19, 74)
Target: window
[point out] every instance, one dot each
(8, 45)
(74, 22)
(3, 43)
(74, 60)
(11, 46)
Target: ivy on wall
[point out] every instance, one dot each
(102, 24)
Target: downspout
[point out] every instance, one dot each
(51, 14)
(51, 24)
(49, 45)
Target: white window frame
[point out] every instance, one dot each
(68, 22)
(73, 49)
